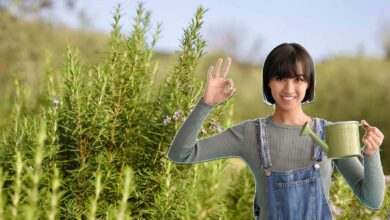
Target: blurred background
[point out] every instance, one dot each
(349, 41)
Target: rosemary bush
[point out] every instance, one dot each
(97, 146)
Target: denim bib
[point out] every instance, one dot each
(294, 194)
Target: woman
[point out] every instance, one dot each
(291, 172)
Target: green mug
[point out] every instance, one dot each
(342, 139)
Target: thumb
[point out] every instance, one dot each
(231, 92)
(365, 124)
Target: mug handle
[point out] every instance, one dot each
(364, 126)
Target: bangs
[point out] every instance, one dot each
(288, 67)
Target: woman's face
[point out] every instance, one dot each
(288, 93)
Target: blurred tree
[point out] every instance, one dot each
(33, 6)
(26, 45)
(384, 35)
(232, 39)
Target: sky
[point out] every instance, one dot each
(325, 28)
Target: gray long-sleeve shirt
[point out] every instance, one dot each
(287, 149)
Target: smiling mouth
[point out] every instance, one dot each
(288, 98)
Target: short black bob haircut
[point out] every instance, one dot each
(281, 63)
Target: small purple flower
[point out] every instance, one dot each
(189, 89)
(179, 84)
(177, 115)
(212, 121)
(167, 119)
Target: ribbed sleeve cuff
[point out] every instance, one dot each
(373, 161)
(203, 106)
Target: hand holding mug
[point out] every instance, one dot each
(373, 138)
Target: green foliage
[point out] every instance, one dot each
(345, 204)
(240, 195)
(92, 143)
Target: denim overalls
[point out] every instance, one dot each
(294, 194)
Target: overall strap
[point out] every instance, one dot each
(265, 157)
(318, 128)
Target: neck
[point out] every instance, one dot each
(290, 117)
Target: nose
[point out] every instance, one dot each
(288, 86)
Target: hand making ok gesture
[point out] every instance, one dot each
(218, 88)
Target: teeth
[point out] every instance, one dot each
(288, 98)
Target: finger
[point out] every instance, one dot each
(226, 67)
(210, 73)
(378, 132)
(374, 139)
(218, 68)
(367, 127)
(230, 87)
(371, 143)
(367, 143)
(365, 124)
(231, 92)
(229, 84)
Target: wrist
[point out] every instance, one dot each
(206, 101)
(368, 153)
